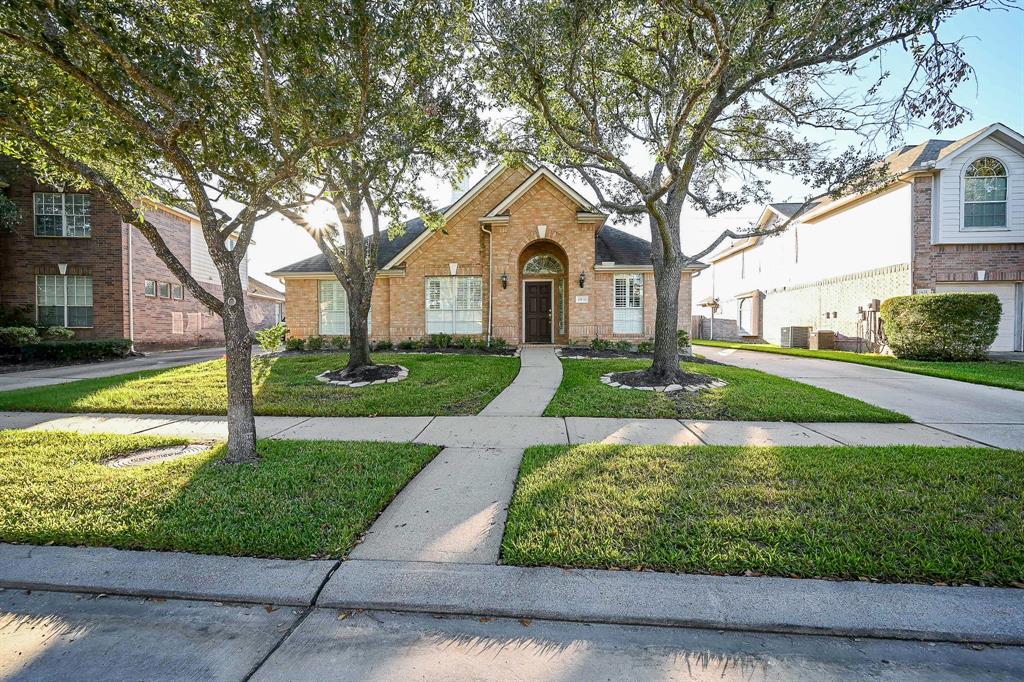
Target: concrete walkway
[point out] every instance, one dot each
(990, 415)
(62, 375)
(540, 374)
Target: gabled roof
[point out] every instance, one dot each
(537, 176)
(261, 290)
(622, 248)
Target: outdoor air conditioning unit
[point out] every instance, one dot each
(823, 339)
(796, 337)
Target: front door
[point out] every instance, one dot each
(538, 312)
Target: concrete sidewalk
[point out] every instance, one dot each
(540, 373)
(780, 605)
(993, 416)
(62, 375)
(507, 432)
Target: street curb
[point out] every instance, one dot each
(760, 604)
(169, 575)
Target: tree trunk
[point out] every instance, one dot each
(238, 344)
(359, 337)
(667, 270)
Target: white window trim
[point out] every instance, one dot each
(454, 309)
(64, 279)
(145, 285)
(63, 216)
(963, 197)
(180, 290)
(629, 278)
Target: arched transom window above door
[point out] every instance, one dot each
(985, 194)
(543, 264)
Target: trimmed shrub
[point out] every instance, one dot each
(623, 346)
(340, 342)
(601, 344)
(294, 343)
(70, 351)
(682, 339)
(57, 334)
(498, 343)
(464, 342)
(12, 337)
(16, 316)
(946, 327)
(270, 339)
(645, 346)
(314, 343)
(383, 344)
(439, 340)
(410, 344)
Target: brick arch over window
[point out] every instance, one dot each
(529, 246)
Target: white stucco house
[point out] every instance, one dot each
(952, 219)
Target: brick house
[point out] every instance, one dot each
(951, 219)
(523, 257)
(71, 261)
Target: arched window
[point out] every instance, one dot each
(985, 194)
(543, 265)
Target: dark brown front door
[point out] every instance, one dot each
(538, 312)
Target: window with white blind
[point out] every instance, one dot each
(333, 309)
(454, 305)
(62, 215)
(628, 316)
(64, 301)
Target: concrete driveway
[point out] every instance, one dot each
(993, 416)
(62, 375)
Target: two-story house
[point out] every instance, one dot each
(951, 219)
(69, 260)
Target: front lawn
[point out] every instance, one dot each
(302, 499)
(906, 514)
(989, 373)
(285, 385)
(749, 395)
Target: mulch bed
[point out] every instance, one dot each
(506, 352)
(368, 373)
(638, 378)
(590, 353)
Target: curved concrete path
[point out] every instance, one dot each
(989, 415)
(540, 373)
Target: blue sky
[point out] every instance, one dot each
(994, 45)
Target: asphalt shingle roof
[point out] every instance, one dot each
(389, 248)
(621, 248)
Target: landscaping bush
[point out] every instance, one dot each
(57, 334)
(340, 342)
(498, 343)
(270, 339)
(682, 339)
(645, 346)
(383, 344)
(623, 346)
(12, 337)
(71, 351)
(439, 340)
(294, 343)
(16, 316)
(600, 344)
(314, 343)
(410, 344)
(465, 342)
(946, 327)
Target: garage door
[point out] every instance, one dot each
(1011, 295)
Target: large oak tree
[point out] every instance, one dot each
(189, 102)
(662, 105)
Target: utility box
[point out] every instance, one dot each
(795, 337)
(823, 339)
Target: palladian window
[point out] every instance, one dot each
(985, 194)
(543, 265)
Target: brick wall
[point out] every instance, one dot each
(163, 321)
(260, 312)
(24, 255)
(301, 301)
(934, 263)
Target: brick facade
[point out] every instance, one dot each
(934, 263)
(544, 220)
(112, 251)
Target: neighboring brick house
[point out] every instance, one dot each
(523, 257)
(952, 219)
(264, 305)
(71, 261)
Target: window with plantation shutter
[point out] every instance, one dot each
(628, 314)
(454, 305)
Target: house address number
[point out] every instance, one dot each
(582, 299)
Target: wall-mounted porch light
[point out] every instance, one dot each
(504, 280)
(583, 279)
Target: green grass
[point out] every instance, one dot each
(906, 514)
(437, 384)
(748, 395)
(989, 373)
(302, 499)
